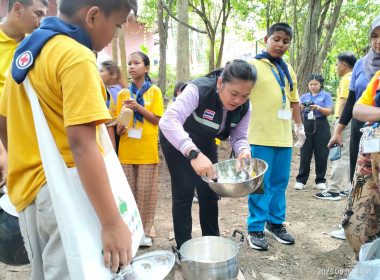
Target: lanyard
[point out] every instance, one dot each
(281, 85)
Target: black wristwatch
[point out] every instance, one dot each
(193, 154)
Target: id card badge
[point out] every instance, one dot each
(284, 114)
(135, 132)
(371, 145)
(311, 116)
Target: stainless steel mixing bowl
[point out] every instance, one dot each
(229, 181)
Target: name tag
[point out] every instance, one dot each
(135, 132)
(371, 145)
(311, 116)
(284, 114)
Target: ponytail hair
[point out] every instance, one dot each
(236, 69)
(146, 61)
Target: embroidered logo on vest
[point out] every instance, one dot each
(237, 118)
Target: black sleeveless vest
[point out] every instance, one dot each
(204, 122)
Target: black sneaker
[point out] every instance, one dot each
(257, 240)
(346, 192)
(279, 232)
(328, 195)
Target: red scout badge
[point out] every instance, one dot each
(24, 60)
(208, 114)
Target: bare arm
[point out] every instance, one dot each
(149, 116)
(366, 113)
(323, 110)
(3, 132)
(3, 151)
(296, 112)
(89, 161)
(111, 133)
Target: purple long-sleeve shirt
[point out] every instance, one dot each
(171, 123)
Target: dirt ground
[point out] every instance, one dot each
(315, 255)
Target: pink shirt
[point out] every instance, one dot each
(171, 123)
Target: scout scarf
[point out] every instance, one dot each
(281, 66)
(139, 97)
(31, 46)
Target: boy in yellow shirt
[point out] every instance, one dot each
(23, 17)
(61, 66)
(274, 100)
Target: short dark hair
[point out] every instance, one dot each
(347, 57)
(25, 3)
(70, 7)
(316, 76)
(280, 26)
(177, 87)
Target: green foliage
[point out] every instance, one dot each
(249, 18)
(170, 79)
(351, 34)
(148, 14)
(144, 49)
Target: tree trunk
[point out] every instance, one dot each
(313, 53)
(327, 40)
(123, 55)
(114, 49)
(309, 52)
(226, 13)
(163, 35)
(183, 61)
(294, 39)
(211, 60)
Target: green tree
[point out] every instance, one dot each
(215, 15)
(322, 29)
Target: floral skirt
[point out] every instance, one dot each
(362, 214)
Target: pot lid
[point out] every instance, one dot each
(151, 265)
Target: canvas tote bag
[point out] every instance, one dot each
(78, 223)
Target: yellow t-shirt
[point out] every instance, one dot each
(342, 91)
(144, 150)
(70, 91)
(112, 109)
(367, 96)
(7, 49)
(265, 128)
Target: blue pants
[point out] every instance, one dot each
(270, 206)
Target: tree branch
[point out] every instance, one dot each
(202, 14)
(183, 23)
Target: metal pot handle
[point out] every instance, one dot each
(180, 257)
(242, 237)
(210, 181)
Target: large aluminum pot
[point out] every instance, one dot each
(210, 257)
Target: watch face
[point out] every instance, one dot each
(193, 154)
